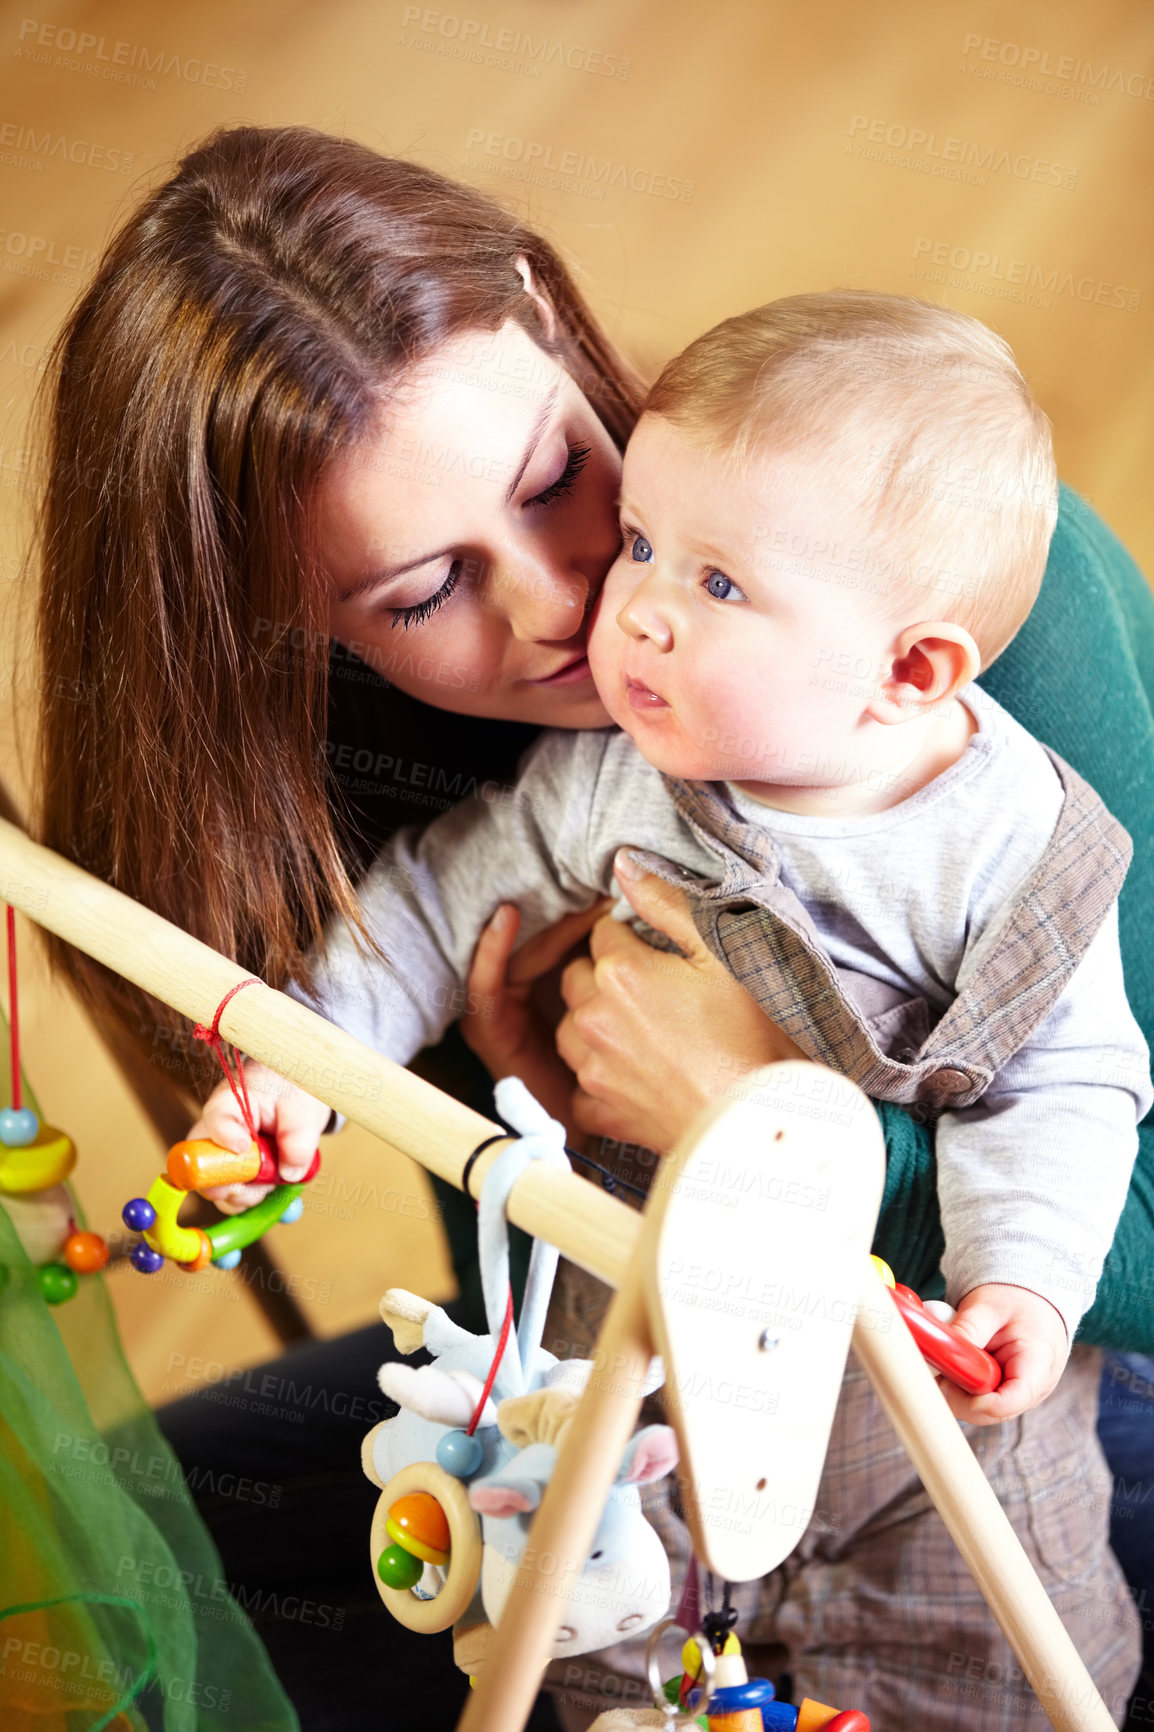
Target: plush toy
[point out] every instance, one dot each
(464, 1463)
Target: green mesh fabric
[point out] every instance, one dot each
(113, 1605)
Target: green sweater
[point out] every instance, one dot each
(1080, 676)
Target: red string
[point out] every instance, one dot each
(213, 1037)
(13, 1009)
(492, 1377)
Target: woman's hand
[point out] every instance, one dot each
(284, 1112)
(503, 1026)
(652, 1037)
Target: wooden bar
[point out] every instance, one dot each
(585, 1223)
(564, 1525)
(978, 1525)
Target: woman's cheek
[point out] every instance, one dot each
(442, 662)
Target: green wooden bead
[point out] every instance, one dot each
(57, 1282)
(398, 1568)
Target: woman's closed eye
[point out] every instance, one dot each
(723, 588)
(578, 456)
(421, 610)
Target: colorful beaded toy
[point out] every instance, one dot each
(35, 1160)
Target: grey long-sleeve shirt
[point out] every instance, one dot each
(1031, 1178)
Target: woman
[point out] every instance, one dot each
(314, 395)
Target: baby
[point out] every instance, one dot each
(835, 512)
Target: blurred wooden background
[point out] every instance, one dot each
(689, 161)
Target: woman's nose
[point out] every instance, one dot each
(544, 603)
(643, 617)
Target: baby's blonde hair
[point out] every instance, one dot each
(916, 412)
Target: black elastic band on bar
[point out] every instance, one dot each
(609, 1181)
(500, 1137)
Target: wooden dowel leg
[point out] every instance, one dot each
(966, 1502)
(563, 1528)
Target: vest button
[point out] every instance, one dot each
(951, 1082)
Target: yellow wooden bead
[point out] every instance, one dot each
(410, 1543)
(38, 1165)
(691, 1653)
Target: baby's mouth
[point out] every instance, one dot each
(641, 697)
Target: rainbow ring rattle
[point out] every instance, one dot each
(940, 1344)
(197, 1166)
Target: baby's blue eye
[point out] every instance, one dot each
(641, 550)
(723, 588)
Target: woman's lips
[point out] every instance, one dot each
(641, 698)
(570, 674)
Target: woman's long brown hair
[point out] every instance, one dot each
(237, 337)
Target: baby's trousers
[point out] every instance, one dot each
(875, 1608)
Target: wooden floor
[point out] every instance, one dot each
(691, 161)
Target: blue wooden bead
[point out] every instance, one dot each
(459, 1454)
(294, 1212)
(144, 1258)
(227, 1260)
(138, 1215)
(18, 1127)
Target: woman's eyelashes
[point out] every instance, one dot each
(421, 610)
(578, 456)
(575, 461)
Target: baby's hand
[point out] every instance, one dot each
(1026, 1336)
(292, 1118)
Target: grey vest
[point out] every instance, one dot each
(891, 1045)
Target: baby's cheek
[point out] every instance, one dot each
(606, 641)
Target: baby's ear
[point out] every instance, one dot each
(929, 664)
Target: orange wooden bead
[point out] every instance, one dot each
(85, 1252)
(420, 1515)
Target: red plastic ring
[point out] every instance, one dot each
(946, 1348)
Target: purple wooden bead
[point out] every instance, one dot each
(138, 1215)
(144, 1258)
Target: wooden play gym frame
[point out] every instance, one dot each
(613, 1242)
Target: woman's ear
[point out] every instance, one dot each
(931, 663)
(548, 317)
